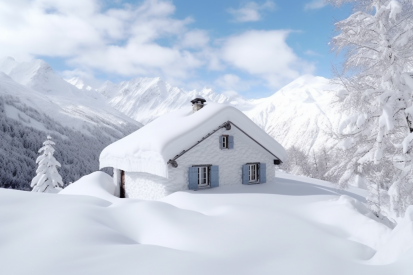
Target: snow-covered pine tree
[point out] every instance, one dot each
(48, 179)
(377, 130)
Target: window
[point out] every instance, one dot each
(253, 172)
(203, 176)
(225, 142)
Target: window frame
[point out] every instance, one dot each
(207, 171)
(203, 176)
(225, 141)
(254, 176)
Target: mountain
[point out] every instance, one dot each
(145, 99)
(300, 114)
(36, 102)
(51, 94)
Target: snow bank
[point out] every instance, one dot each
(97, 184)
(149, 149)
(352, 219)
(399, 243)
(271, 228)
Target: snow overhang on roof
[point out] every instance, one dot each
(150, 148)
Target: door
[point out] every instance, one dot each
(122, 184)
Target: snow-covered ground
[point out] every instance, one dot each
(293, 225)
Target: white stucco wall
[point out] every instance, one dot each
(230, 161)
(116, 181)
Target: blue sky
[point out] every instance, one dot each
(251, 47)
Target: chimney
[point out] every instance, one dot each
(197, 103)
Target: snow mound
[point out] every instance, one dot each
(399, 243)
(271, 228)
(149, 149)
(349, 217)
(97, 184)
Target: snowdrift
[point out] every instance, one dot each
(97, 184)
(284, 227)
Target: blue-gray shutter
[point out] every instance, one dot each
(193, 178)
(245, 175)
(214, 176)
(221, 140)
(263, 173)
(230, 142)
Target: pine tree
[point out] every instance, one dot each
(48, 179)
(377, 98)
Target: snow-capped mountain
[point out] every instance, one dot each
(300, 114)
(36, 102)
(145, 99)
(38, 86)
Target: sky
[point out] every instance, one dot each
(250, 47)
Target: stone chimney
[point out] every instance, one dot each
(197, 103)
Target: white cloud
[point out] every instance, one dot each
(232, 82)
(251, 11)
(142, 40)
(315, 4)
(265, 54)
(119, 40)
(195, 39)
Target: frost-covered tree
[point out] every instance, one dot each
(377, 99)
(48, 179)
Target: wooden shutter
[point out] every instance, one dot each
(193, 178)
(230, 142)
(263, 173)
(221, 141)
(245, 175)
(214, 176)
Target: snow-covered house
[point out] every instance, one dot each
(207, 146)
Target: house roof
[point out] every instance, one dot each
(151, 147)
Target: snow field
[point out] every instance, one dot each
(284, 227)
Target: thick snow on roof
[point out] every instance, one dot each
(150, 148)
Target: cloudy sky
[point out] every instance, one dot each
(252, 47)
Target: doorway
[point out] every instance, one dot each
(122, 184)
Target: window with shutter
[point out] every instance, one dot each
(223, 142)
(202, 176)
(254, 173)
